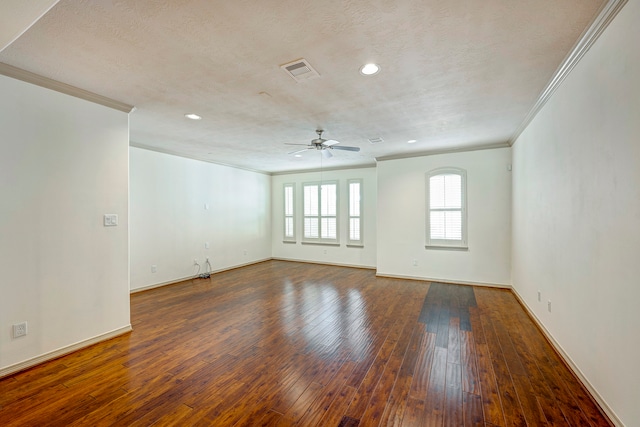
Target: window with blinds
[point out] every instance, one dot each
(355, 212)
(320, 222)
(446, 208)
(289, 210)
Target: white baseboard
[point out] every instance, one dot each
(304, 261)
(569, 362)
(160, 284)
(171, 282)
(62, 351)
(453, 282)
(233, 267)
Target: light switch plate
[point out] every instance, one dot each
(110, 220)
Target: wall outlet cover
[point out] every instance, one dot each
(20, 329)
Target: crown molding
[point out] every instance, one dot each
(229, 165)
(29, 77)
(335, 168)
(443, 151)
(588, 38)
(200, 159)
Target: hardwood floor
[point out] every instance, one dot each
(281, 344)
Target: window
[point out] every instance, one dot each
(355, 212)
(446, 208)
(289, 222)
(320, 212)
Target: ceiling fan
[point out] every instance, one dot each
(325, 145)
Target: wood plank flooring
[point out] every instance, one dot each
(283, 344)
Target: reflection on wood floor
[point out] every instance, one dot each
(282, 343)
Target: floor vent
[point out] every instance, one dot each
(377, 140)
(300, 70)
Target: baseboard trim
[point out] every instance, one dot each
(335, 264)
(21, 366)
(233, 267)
(161, 284)
(599, 400)
(184, 279)
(449, 281)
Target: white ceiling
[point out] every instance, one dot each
(18, 15)
(454, 75)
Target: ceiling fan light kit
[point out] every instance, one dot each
(325, 145)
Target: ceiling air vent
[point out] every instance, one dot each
(300, 70)
(377, 140)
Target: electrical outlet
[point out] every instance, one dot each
(195, 261)
(415, 262)
(206, 245)
(20, 329)
(207, 259)
(539, 296)
(245, 252)
(549, 306)
(154, 268)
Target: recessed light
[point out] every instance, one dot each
(369, 69)
(411, 141)
(297, 155)
(192, 116)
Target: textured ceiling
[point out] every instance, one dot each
(454, 75)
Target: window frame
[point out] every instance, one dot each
(350, 241)
(292, 216)
(461, 244)
(319, 216)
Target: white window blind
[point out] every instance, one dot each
(289, 210)
(320, 222)
(446, 216)
(355, 211)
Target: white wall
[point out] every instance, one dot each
(170, 224)
(576, 215)
(402, 221)
(63, 164)
(353, 256)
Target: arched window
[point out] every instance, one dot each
(446, 208)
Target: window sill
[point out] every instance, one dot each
(289, 241)
(355, 245)
(320, 243)
(447, 248)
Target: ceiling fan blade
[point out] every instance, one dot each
(343, 147)
(291, 143)
(330, 142)
(326, 154)
(299, 151)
